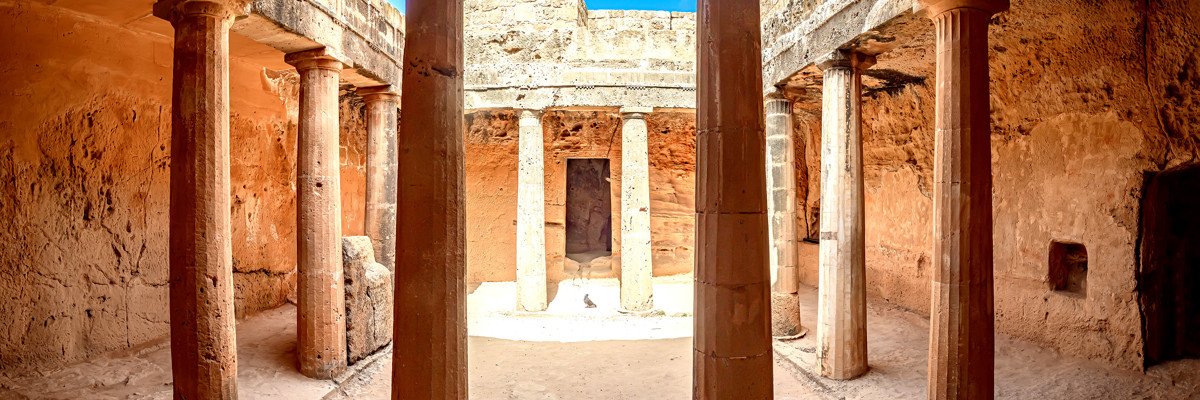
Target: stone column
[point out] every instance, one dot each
(203, 340)
(431, 312)
(531, 215)
(381, 172)
(321, 308)
(961, 336)
(732, 358)
(637, 285)
(842, 299)
(781, 211)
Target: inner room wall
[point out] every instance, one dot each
(85, 179)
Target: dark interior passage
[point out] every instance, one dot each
(589, 207)
(1170, 270)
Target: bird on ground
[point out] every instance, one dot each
(587, 301)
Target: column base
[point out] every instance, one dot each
(785, 316)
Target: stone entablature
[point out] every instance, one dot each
(559, 54)
(366, 35)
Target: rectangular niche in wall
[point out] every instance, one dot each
(1068, 268)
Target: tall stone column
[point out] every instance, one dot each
(842, 298)
(961, 336)
(381, 172)
(637, 285)
(203, 340)
(531, 215)
(732, 338)
(431, 308)
(321, 309)
(781, 211)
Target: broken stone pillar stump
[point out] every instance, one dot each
(961, 324)
(781, 209)
(203, 337)
(637, 270)
(369, 298)
(321, 310)
(381, 172)
(842, 298)
(431, 307)
(732, 339)
(531, 215)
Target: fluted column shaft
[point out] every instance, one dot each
(961, 339)
(732, 338)
(636, 265)
(842, 300)
(203, 339)
(430, 358)
(531, 214)
(321, 305)
(781, 211)
(382, 170)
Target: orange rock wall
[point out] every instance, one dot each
(492, 178)
(85, 177)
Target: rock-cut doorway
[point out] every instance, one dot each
(589, 218)
(1170, 265)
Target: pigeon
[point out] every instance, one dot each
(588, 302)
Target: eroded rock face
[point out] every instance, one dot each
(369, 294)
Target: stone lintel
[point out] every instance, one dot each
(635, 112)
(936, 7)
(315, 58)
(171, 10)
(845, 59)
(529, 112)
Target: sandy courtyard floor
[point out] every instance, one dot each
(573, 352)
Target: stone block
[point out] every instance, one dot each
(369, 294)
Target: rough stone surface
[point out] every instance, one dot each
(369, 298)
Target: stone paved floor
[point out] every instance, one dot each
(570, 352)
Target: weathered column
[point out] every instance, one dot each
(841, 296)
(381, 172)
(431, 308)
(637, 285)
(321, 308)
(732, 338)
(203, 340)
(781, 211)
(531, 215)
(961, 336)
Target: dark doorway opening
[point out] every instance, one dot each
(589, 213)
(1170, 265)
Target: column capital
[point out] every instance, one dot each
(529, 113)
(635, 112)
(776, 104)
(377, 93)
(314, 59)
(937, 7)
(174, 10)
(845, 59)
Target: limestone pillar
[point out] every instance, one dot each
(781, 211)
(203, 340)
(841, 296)
(961, 336)
(732, 358)
(531, 215)
(431, 312)
(381, 172)
(636, 267)
(321, 307)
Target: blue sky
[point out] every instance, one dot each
(667, 5)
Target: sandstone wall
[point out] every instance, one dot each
(1087, 98)
(84, 184)
(492, 178)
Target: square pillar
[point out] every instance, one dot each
(321, 308)
(637, 270)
